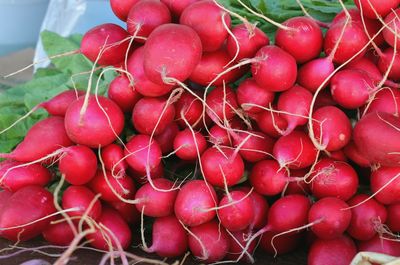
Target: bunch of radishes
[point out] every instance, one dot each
(275, 158)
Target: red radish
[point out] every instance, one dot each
(78, 164)
(221, 103)
(116, 232)
(4, 196)
(141, 153)
(107, 185)
(195, 203)
(188, 146)
(211, 65)
(103, 128)
(33, 147)
(271, 123)
(237, 244)
(219, 136)
(105, 44)
(338, 155)
(302, 38)
(58, 105)
(169, 237)
(254, 146)
(127, 211)
(121, 8)
(386, 100)
(81, 198)
(145, 16)
(222, 166)
(361, 87)
(249, 38)
(152, 115)
(379, 244)
(328, 217)
(315, 73)
(156, 203)
(123, 93)
(324, 99)
(177, 7)
(393, 22)
(212, 31)
(353, 41)
(141, 82)
(386, 180)
(14, 175)
(354, 155)
(171, 50)
(208, 242)
(333, 179)
(366, 65)
(331, 127)
(188, 108)
(113, 159)
(268, 178)
(393, 217)
(245, 95)
(369, 132)
(338, 251)
(296, 185)
(26, 205)
(142, 177)
(295, 106)
(275, 69)
(260, 208)
(366, 217)
(381, 7)
(59, 234)
(282, 244)
(235, 211)
(166, 138)
(385, 60)
(295, 150)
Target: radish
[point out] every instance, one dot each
(195, 203)
(188, 108)
(329, 219)
(177, 7)
(116, 232)
(123, 93)
(121, 8)
(393, 217)
(28, 204)
(260, 208)
(152, 115)
(315, 73)
(105, 44)
(366, 65)
(169, 237)
(295, 106)
(282, 244)
(102, 118)
(81, 197)
(173, 51)
(142, 153)
(34, 148)
(141, 82)
(382, 8)
(249, 39)
(143, 178)
(166, 138)
(188, 145)
(156, 203)
(78, 164)
(245, 95)
(386, 100)
(351, 151)
(366, 217)
(333, 179)
(361, 87)
(222, 166)
(14, 175)
(302, 38)
(208, 242)
(212, 31)
(219, 136)
(385, 60)
(268, 178)
(295, 150)
(235, 211)
(254, 146)
(58, 105)
(338, 251)
(237, 244)
(393, 23)
(385, 182)
(145, 16)
(271, 123)
(369, 132)
(108, 186)
(379, 244)
(59, 233)
(275, 69)
(222, 103)
(331, 128)
(112, 156)
(4, 196)
(211, 65)
(127, 211)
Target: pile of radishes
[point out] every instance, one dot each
(287, 144)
